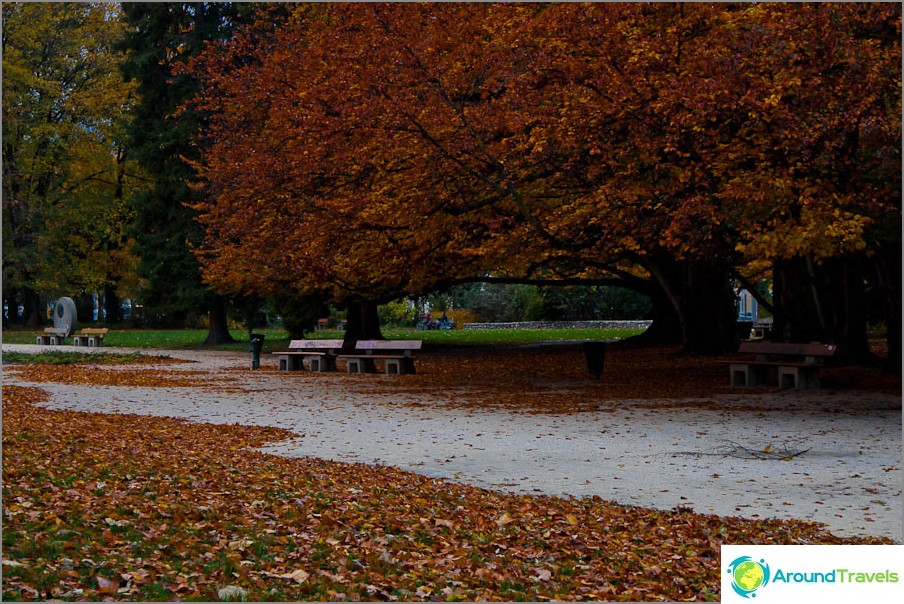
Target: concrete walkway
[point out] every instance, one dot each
(849, 477)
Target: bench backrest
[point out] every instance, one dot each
(316, 344)
(94, 331)
(389, 344)
(788, 349)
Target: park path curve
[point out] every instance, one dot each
(696, 457)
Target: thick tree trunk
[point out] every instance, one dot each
(666, 326)
(84, 308)
(703, 303)
(112, 308)
(218, 331)
(362, 323)
(34, 312)
(822, 303)
(887, 280)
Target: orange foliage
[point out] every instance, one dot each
(364, 151)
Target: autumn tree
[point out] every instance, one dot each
(821, 160)
(65, 171)
(397, 149)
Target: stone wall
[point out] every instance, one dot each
(561, 325)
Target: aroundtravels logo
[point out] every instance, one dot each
(748, 575)
(828, 574)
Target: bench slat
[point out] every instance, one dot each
(329, 344)
(787, 348)
(389, 344)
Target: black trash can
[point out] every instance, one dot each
(257, 344)
(596, 358)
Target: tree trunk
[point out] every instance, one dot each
(887, 280)
(362, 323)
(34, 311)
(666, 327)
(822, 303)
(218, 331)
(84, 308)
(112, 308)
(703, 303)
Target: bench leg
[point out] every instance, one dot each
(289, 363)
(745, 375)
(393, 366)
(323, 364)
(361, 366)
(797, 377)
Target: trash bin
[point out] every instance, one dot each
(596, 357)
(257, 344)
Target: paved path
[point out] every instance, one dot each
(850, 478)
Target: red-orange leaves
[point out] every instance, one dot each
(368, 151)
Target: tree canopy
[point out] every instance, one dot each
(65, 170)
(368, 151)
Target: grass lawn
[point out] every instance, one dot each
(278, 338)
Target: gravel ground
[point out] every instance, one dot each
(841, 469)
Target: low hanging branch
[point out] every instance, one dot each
(784, 452)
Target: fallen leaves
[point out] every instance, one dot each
(138, 508)
(96, 375)
(106, 586)
(521, 379)
(299, 576)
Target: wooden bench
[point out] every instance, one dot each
(53, 336)
(397, 356)
(90, 336)
(321, 355)
(797, 364)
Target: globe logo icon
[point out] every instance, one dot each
(748, 575)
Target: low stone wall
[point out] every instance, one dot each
(561, 325)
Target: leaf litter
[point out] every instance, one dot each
(127, 507)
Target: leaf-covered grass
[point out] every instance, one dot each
(154, 338)
(137, 508)
(59, 357)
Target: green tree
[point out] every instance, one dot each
(162, 36)
(65, 171)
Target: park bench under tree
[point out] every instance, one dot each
(797, 364)
(90, 336)
(53, 336)
(320, 354)
(397, 356)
